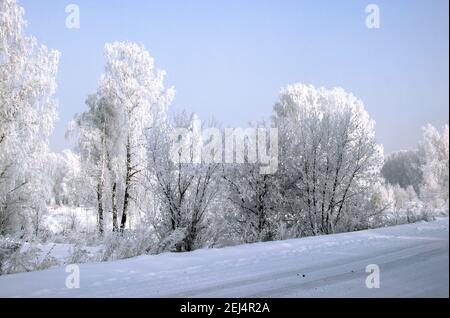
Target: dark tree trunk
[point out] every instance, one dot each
(114, 208)
(126, 198)
(113, 194)
(190, 238)
(100, 207)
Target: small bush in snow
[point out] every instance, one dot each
(127, 244)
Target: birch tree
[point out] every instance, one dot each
(27, 114)
(141, 99)
(130, 99)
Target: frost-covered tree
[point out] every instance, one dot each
(130, 99)
(435, 151)
(141, 99)
(404, 168)
(90, 128)
(254, 196)
(255, 201)
(329, 157)
(185, 190)
(27, 115)
(65, 178)
(392, 204)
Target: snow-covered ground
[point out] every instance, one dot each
(60, 219)
(413, 261)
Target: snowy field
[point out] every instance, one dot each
(413, 261)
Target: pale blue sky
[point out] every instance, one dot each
(229, 59)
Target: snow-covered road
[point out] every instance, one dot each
(413, 261)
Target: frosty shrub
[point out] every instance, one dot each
(223, 230)
(127, 244)
(7, 248)
(26, 259)
(79, 255)
(173, 242)
(285, 232)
